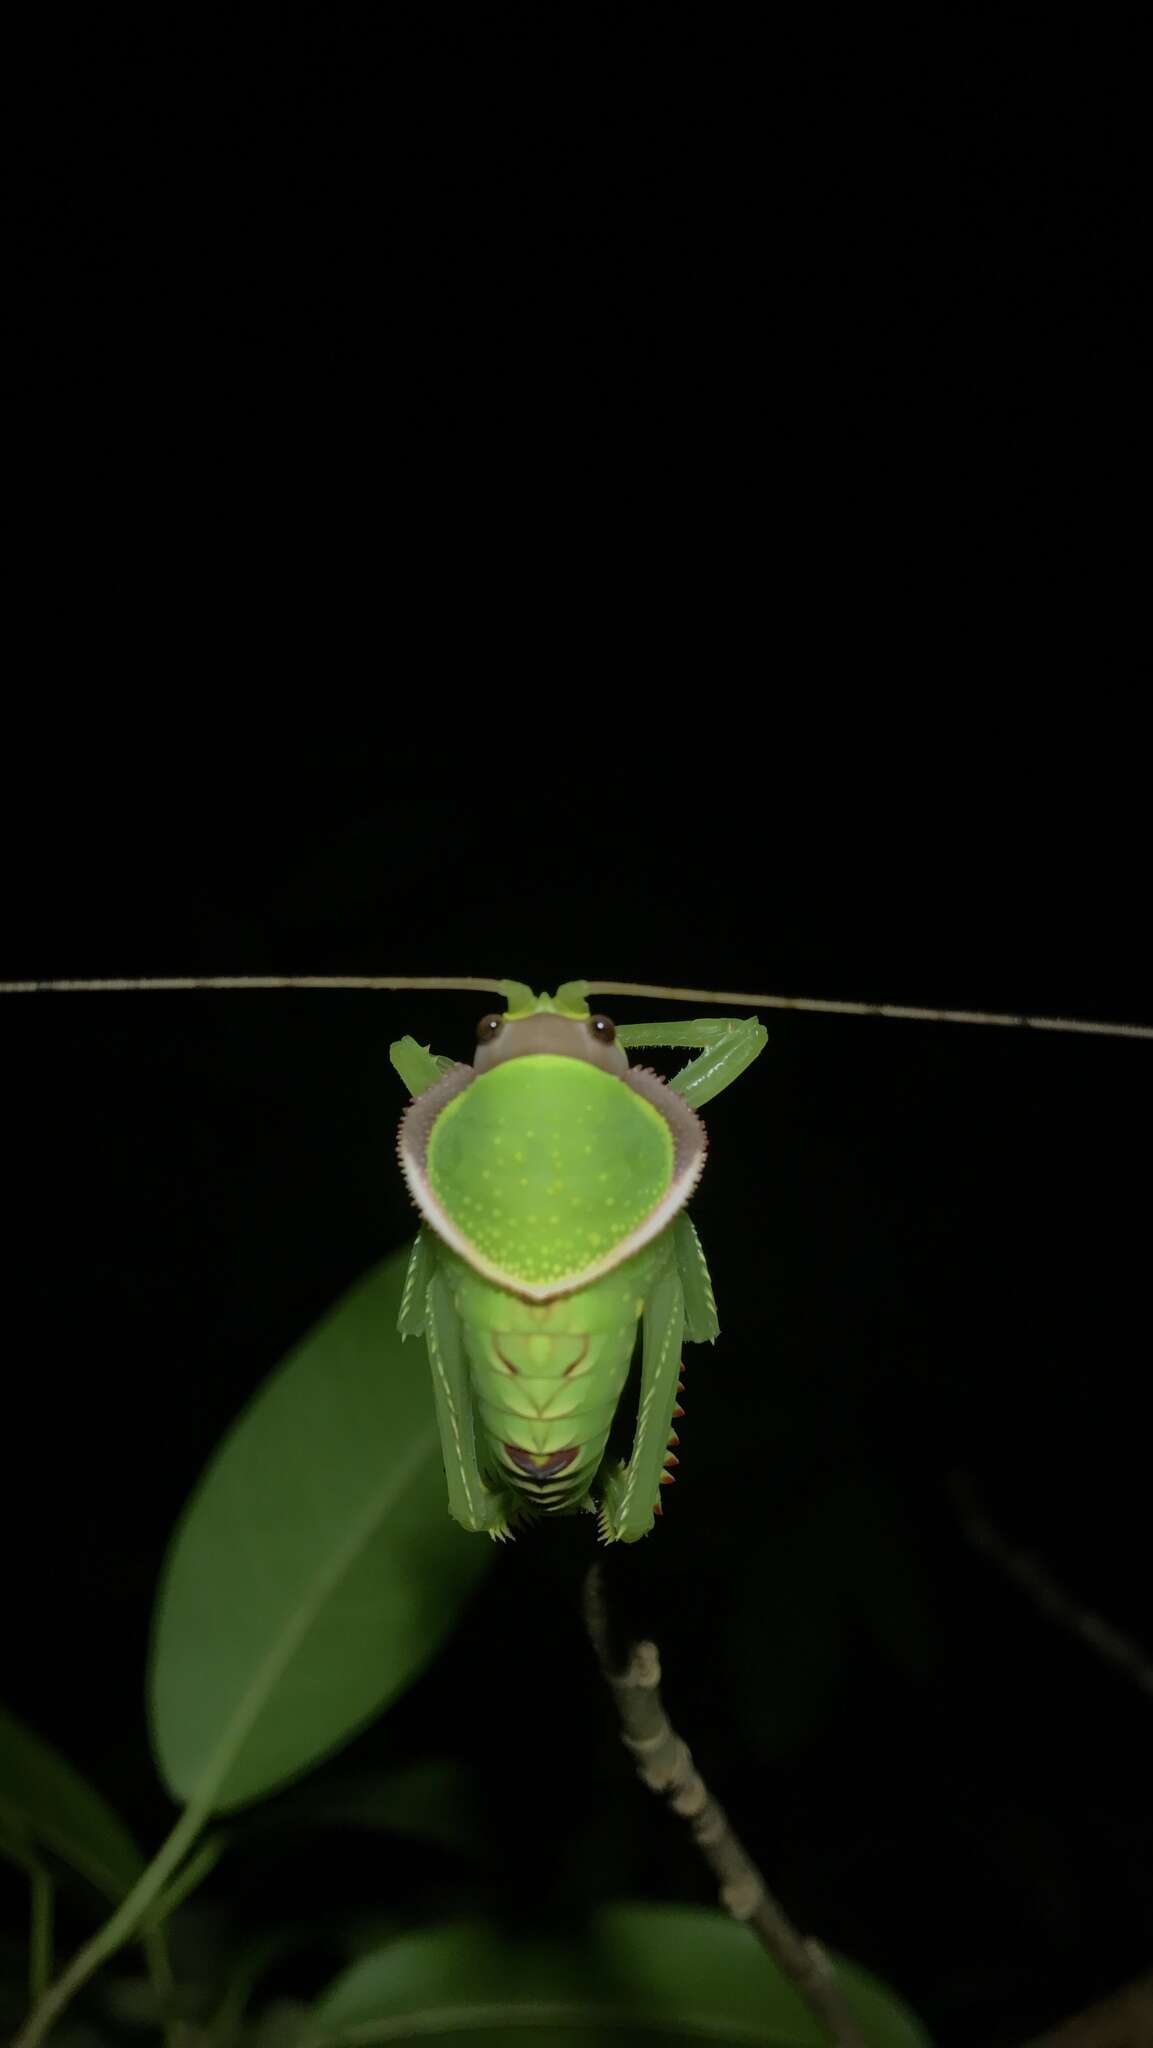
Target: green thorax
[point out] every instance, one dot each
(546, 1163)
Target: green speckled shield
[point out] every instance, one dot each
(546, 1172)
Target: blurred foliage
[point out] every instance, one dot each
(925, 1253)
(316, 1569)
(635, 1973)
(311, 1578)
(46, 1804)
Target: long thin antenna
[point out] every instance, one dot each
(186, 981)
(824, 1007)
(821, 1006)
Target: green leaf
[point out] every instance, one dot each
(649, 1973)
(316, 1570)
(45, 1803)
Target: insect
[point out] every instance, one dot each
(530, 1280)
(553, 1180)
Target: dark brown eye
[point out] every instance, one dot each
(603, 1028)
(488, 1027)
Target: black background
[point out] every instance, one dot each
(622, 493)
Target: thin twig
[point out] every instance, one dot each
(664, 1763)
(1034, 1580)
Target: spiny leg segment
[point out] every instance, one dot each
(701, 1326)
(630, 1491)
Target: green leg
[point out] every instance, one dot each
(631, 1492)
(727, 1046)
(701, 1324)
(414, 1300)
(471, 1500)
(417, 1066)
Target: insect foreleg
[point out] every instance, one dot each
(417, 1066)
(630, 1492)
(728, 1045)
(471, 1500)
(694, 1032)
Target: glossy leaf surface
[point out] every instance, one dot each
(643, 1972)
(316, 1570)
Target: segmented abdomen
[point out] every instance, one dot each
(547, 1377)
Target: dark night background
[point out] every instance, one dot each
(620, 492)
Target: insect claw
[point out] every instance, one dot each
(673, 1438)
(658, 1506)
(668, 1479)
(671, 1458)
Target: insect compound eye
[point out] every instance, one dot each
(488, 1027)
(603, 1030)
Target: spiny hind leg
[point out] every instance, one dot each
(630, 1492)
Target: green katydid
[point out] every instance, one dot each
(553, 1180)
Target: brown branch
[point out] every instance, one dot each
(1038, 1584)
(664, 1762)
